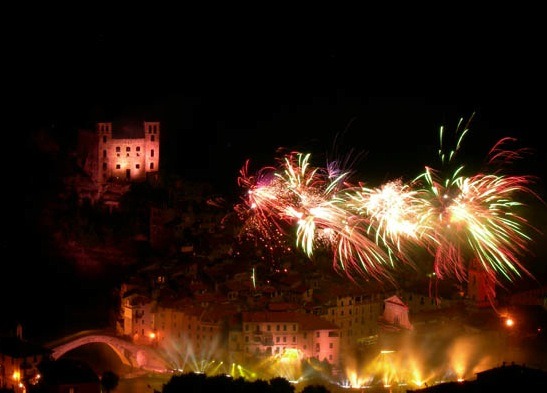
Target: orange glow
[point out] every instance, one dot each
(509, 322)
(152, 335)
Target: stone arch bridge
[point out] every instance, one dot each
(133, 355)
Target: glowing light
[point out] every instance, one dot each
(456, 218)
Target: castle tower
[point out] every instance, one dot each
(104, 132)
(128, 153)
(152, 145)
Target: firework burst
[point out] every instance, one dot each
(369, 230)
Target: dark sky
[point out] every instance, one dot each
(233, 86)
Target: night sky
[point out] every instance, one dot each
(230, 87)
(227, 91)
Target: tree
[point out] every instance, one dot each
(109, 381)
(281, 385)
(315, 389)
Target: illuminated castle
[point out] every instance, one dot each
(113, 156)
(127, 156)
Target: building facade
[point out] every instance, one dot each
(128, 156)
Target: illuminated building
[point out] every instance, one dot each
(19, 360)
(128, 158)
(357, 317)
(273, 333)
(115, 155)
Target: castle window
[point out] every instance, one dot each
(104, 166)
(151, 165)
(104, 139)
(128, 148)
(138, 148)
(118, 149)
(137, 166)
(152, 138)
(152, 153)
(104, 153)
(117, 166)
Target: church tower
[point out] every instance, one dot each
(481, 289)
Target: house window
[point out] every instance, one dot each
(277, 339)
(104, 139)
(331, 345)
(128, 149)
(151, 165)
(138, 148)
(137, 166)
(118, 149)
(117, 166)
(317, 334)
(284, 339)
(152, 153)
(104, 166)
(268, 328)
(104, 153)
(152, 138)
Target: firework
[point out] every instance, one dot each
(370, 230)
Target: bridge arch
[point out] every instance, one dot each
(130, 354)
